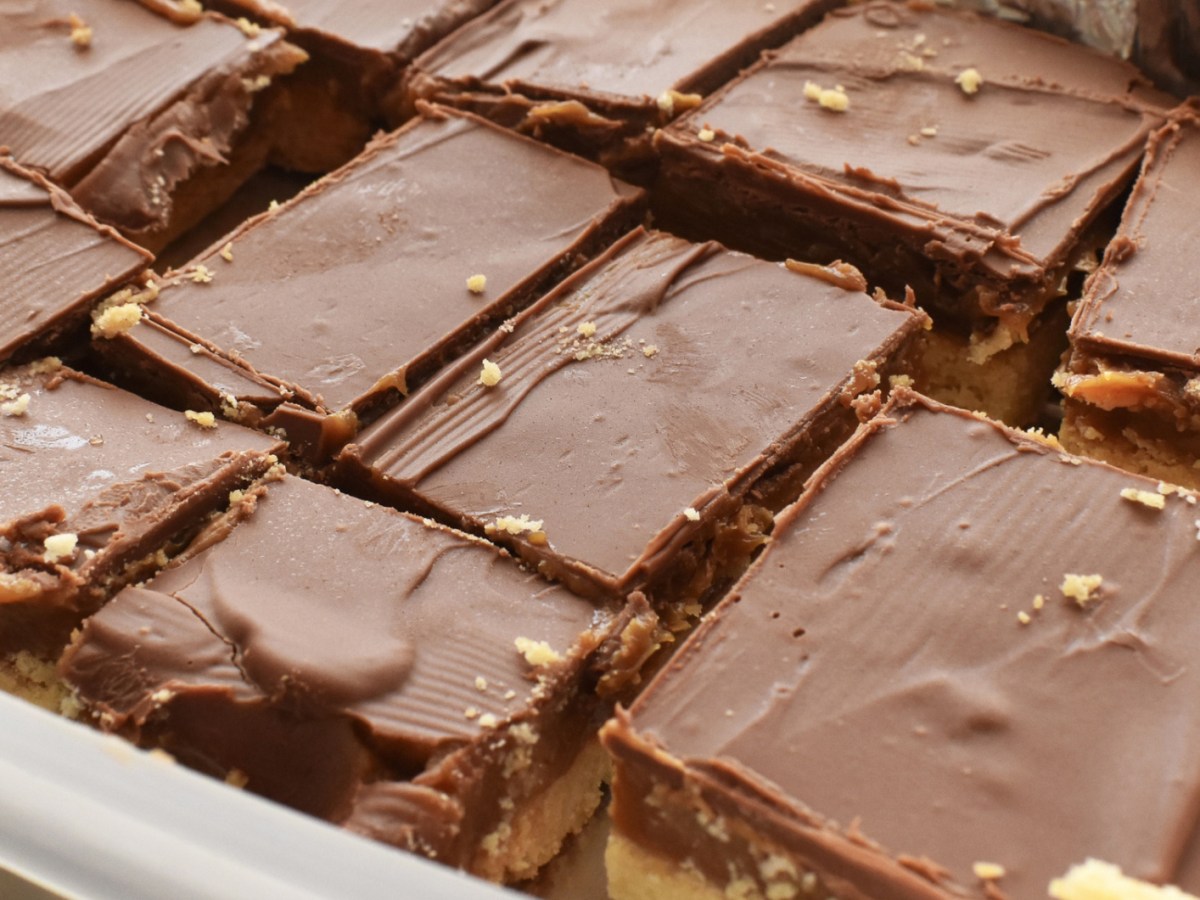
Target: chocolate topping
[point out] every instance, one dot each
(885, 672)
(54, 260)
(667, 376)
(121, 475)
(374, 262)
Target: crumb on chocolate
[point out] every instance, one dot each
(812, 91)
(650, 351)
(691, 514)
(487, 720)
(1099, 880)
(58, 546)
(671, 102)
(929, 131)
(900, 381)
(1081, 588)
(477, 284)
(521, 524)
(471, 713)
(1024, 618)
(81, 32)
(489, 375)
(706, 135)
(248, 28)
(227, 252)
(201, 274)
(537, 653)
(256, 84)
(509, 694)
(1039, 600)
(1145, 498)
(988, 871)
(192, 7)
(16, 407)
(481, 683)
(110, 321)
(834, 99)
(587, 329)
(203, 419)
(969, 80)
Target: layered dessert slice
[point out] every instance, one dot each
(146, 120)
(313, 317)
(98, 486)
(358, 50)
(961, 668)
(408, 682)
(55, 260)
(964, 157)
(598, 78)
(1132, 382)
(636, 427)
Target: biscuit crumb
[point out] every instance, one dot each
(1146, 498)
(272, 206)
(586, 329)
(706, 135)
(15, 408)
(1039, 601)
(521, 524)
(650, 351)
(900, 381)
(248, 28)
(116, 320)
(81, 32)
(988, 871)
(203, 419)
(480, 683)
(1098, 880)
(691, 515)
(929, 131)
(834, 99)
(1024, 618)
(59, 546)
(537, 653)
(201, 274)
(192, 7)
(477, 284)
(487, 720)
(671, 102)
(812, 91)
(1081, 588)
(508, 695)
(471, 713)
(227, 252)
(969, 80)
(489, 375)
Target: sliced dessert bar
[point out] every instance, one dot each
(98, 484)
(1132, 382)
(317, 315)
(143, 119)
(965, 157)
(961, 667)
(55, 260)
(635, 428)
(598, 78)
(387, 674)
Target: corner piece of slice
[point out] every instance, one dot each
(1132, 382)
(982, 202)
(962, 666)
(406, 681)
(598, 78)
(55, 260)
(331, 308)
(144, 120)
(98, 487)
(636, 427)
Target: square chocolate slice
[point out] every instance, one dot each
(332, 307)
(965, 157)
(98, 485)
(1132, 382)
(962, 667)
(139, 117)
(635, 428)
(406, 681)
(597, 78)
(54, 261)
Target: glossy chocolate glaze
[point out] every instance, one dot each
(918, 180)
(526, 53)
(705, 371)
(348, 295)
(869, 699)
(358, 664)
(122, 120)
(54, 260)
(126, 476)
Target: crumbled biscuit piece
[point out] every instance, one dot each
(16, 407)
(691, 515)
(59, 546)
(256, 84)
(969, 80)
(471, 713)
(203, 419)
(272, 206)
(1098, 880)
(1081, 588)
(1039, 601)
(480, 683)
(537, 653)
(489, 375)
(929, 131)
(509, 694)
(81, 32)
(248, 28)
(194, 7)
(586, 329)
(1146, 498)
(201, 274)
(896, 381)
(834, 99)
(706, 135)
(161, 696)
(114, 320)
(477, 284)
(227, 252)
(1024, 618)
(487, 720)
(650, 351)
(521, 524)
(671, 102)
(988, 871)
(812, 91)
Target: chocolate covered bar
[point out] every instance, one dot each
(635, 428)
(315, 316)
(143, 119)
(406, 681)
(55, 260)
(1132, 382)
(598, 78)
(960, 669)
